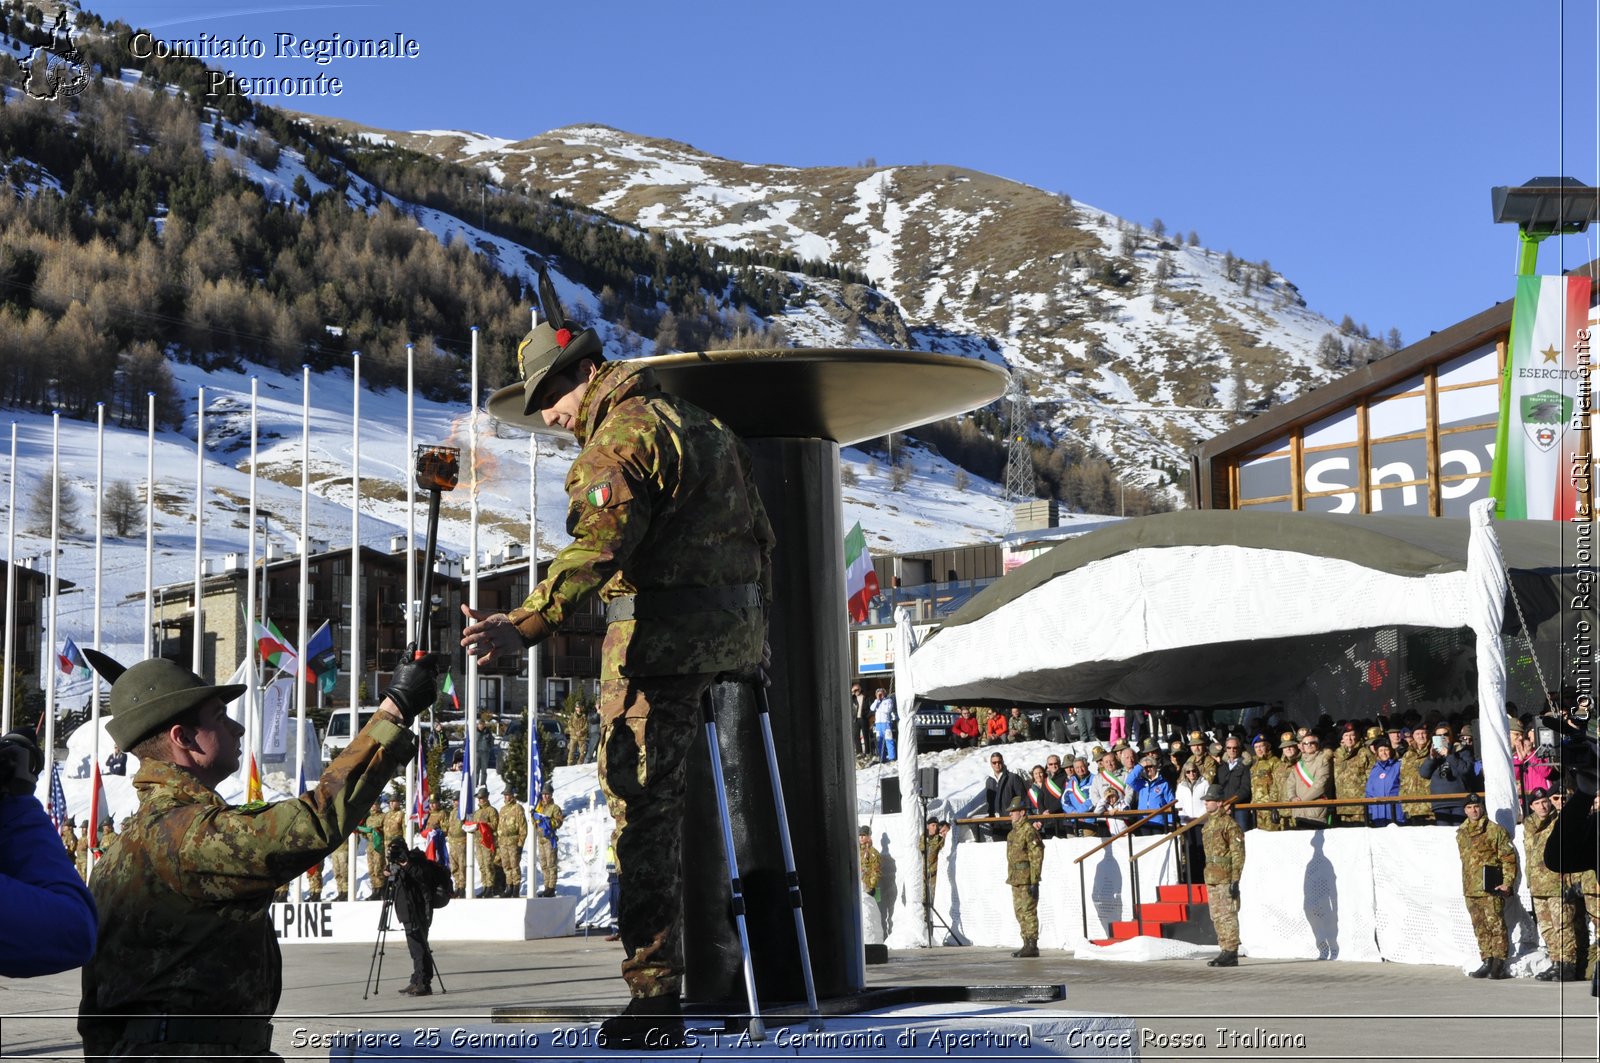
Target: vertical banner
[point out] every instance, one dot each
(1538, 437)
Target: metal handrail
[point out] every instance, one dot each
(1129, 829)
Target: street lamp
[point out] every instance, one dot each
(1545, 206)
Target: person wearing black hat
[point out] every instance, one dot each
(413, 882)
(669, 529)
(1384, 781)
(1488, 872)
(1223, 843)
(1553, 893)
(1024, 865)
(188, 962)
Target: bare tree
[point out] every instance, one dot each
(39, 508)
(121, 507)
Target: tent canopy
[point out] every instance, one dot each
(1214, 607)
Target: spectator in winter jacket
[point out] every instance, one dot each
(1191, 793)
(1077, 796)
(1152, 791)
(1041, 801)
(998, 790)
(1233, 775)
(965, 729)
(1448, 771)
(1384, 781)
(996, 731)
(1527, 767)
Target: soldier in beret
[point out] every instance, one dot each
(188, 963)
(1553, 893)
(1199, 753)
(1264, 783)
(1223, 843)
(1352, 765)
(1024, 863)
(1486, 853)
(669, 529)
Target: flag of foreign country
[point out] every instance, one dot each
(322, 660)
(449, 690)
(58, 796)
(860, 581)
(69, 657)
(96, 813)
(1536, 441)
(275, 649)
(253, 787)
(468, 798)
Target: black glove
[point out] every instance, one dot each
(20, 764)
(415, 684)
(1233, 890)
(1033, 891)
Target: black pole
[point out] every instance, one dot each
(425, 607)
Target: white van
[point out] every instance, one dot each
(342, 729)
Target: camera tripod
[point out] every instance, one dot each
(378, 946)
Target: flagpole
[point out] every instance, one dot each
(252, 694)
(149, 522)
(11, 587)
(472, 587)
(412, 782)
(55, 587)
(357, 656)
(197, 652)
(532, 730)
(99, 570)
(304, 618)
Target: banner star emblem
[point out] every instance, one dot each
(1551, 354)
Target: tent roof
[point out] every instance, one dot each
(1242, 600)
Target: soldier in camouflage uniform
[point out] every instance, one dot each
(577, 734)
(371, 830)
(1553, 893)
(1485, 844)
(313, 890)
(1352, 764)
(341, 870)
(1289, 756)
(483, 855)
(69, 839)
(455, 839)
(1263, 783)
(1223, 843)
(108, 834)
(1018, 728)
(508, 842)
(931, 844)
(394, 822)
(1024, 864)
(669, 529)
(83, 851)
(871, 863)
(188, 963)
(1200, 753)
(1412, 781)
(545, 832)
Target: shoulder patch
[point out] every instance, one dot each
(600, 494)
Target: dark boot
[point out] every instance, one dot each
(1225, 958)
(1569, 973)
(1029, 949)
(1483, 971)
(1551, 973)
(1497, 970)
(648, 1023)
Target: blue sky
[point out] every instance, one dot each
(1351, 143)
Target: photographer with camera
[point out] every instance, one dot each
(416, 886)
(188, 962)
(49, 923)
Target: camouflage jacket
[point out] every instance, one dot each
(394, 825)
(451, 821)
(1481, 845)
(485, 813)
(931, 847)
(552, 813)
(1223, 843)
(1351, 767)
(185, 892)
(1263, 779)
(513, 826)
(1411, 780)
(871, 868)
(1542, 882)
(660, 498)
(1024, 855)
(1207, 765)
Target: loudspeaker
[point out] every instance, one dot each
(928, 782)
(890, 794)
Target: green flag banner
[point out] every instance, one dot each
(1543, 396)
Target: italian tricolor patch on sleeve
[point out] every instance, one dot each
(599, 494)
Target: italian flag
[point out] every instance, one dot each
(860, 581)
(449, 690)
(1538, 439)
(275, 649)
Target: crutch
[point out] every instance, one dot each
(789, 875)
(757, 1029)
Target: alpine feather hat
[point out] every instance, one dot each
(151, 694)
(551, 346)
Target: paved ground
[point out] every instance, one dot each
(1345, 1011)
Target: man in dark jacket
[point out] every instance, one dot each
(1233, 775)
(998, 790)
(412, 880)
(1448, 771)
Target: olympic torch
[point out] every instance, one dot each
(438, 471)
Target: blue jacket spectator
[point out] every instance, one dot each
(1384, 781)
(1151, 790)
(49, 923)
(1449, 772)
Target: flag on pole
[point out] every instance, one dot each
(419, 809)
(302, 779)
(69, 657)
(322, 660)
(449, 689)
(96, 813)
(58, 796)
(253, 786)
(535, 769)
(468, 802)
(275, 649)
(1540, 430)
(860, 581)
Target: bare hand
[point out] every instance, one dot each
(488, 635)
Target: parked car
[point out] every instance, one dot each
(932, 722)
(342, 729)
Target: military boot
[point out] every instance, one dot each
(1552, 973)
(1569, 973)
(1497, 969)
(648, 1023)
(1029, 949)
(1225, 958)
(1483, 971)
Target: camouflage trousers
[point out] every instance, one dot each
(375, 869)
(341, 870)
(485, 859)
(313, 891)
(1591, 901)
(458, 862)
(1027, 910)
(511, 863)
(1557, 929)
(647, 725)
(1224, 914)
(1489, 924)
(547, 863)
(1269, 819)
